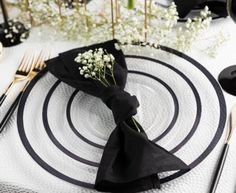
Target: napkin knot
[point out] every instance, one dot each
(122, 104)
(130, 161)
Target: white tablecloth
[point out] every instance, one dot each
(17, 167)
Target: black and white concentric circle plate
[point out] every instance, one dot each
(182, 108)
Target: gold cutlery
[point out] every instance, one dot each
(20, 75)
(36, 67)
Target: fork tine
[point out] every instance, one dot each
(21, 74)
(42, 58)
(39, 60)
(41, 65)
(30, 63)
(27, 63)
(23, 62)
(45, 58)
(49, 55)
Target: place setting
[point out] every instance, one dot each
(121, 114)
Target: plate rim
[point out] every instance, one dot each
(207, 151)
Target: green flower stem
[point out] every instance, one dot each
(107, 73)
(105, 80)
(134, 121)
(104, 83)
(114, 80)
(104, 72)
(112, 75)
(99, 74)
(131, 4)
(101, 81)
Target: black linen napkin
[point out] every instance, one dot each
(185, 6)
(130, 161)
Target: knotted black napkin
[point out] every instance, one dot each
(130, 162)
(185, 6)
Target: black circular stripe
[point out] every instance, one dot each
(222, 105)
(51, 135)
(176, 103)
(28, 147)
(76, 132)
(69, 153)
(218, 134)
(197, 97)
(166, 131)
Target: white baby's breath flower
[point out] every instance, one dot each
(87, 56)
(97, 59)
(84, 62)
(107, 58)
(100, 50)
(117, 46)
(100, 64)
(128, 26)
(112, 57)
(96, 65)
(87, 76)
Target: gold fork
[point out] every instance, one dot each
(37, 66)
(20, 75)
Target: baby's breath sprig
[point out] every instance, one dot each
(213, 49)
(98, 65)
(192, 29)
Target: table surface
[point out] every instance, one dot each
(196, 181)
